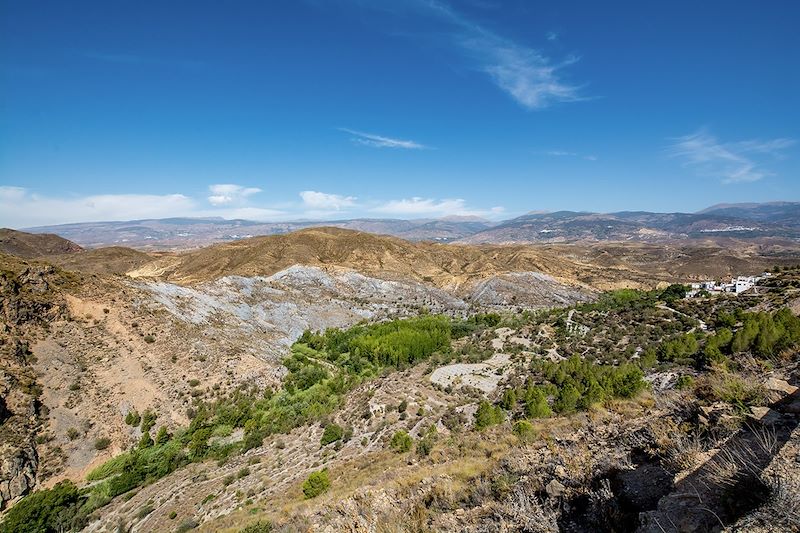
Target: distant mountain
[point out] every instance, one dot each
(786, 213)
(182, 233)
(740, 221)
(31, 246)
(748, 221)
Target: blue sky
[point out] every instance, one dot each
(347, 108)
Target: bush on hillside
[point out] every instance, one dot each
(316, 484)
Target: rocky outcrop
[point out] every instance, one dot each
(18, 466)
(28, 302)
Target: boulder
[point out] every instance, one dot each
(555, 489)
(779, 386)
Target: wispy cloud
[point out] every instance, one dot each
(565, 153)
(422, 207)
(230, 193)
(732, 162)
(552, 36)
(380, 141)
(20, 207)
(531, 78)
(316, 200)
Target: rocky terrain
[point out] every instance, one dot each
(101, 348)
(29, 245)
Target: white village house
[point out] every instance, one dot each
(737, 285)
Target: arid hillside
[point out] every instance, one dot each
(31, 245)
(600, 266)
(101, 349)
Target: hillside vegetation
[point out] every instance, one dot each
(631, 342)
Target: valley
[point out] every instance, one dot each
(138, 362)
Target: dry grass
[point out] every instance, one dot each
(741, 458)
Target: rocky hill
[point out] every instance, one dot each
(32, 245)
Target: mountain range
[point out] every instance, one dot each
(773, 220)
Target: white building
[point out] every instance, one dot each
(743, 283)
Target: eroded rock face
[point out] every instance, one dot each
(27, 302)
(18, 466)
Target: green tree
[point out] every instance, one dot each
(488, 415)
(536, 405)
(509, 399)
(567, 400)
(332, 433)
(676, 291)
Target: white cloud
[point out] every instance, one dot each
(315, 200)
(529, 76)
(733, 162)
(552, 36)
(229, 193)
(21, 208)
(429, 207)
(379, 141)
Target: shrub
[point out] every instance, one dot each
(453, 420)
(332, 433)
(102, 443)
(187, 525)
(509, 399)
(262, 526)
(402, 407)
(684, 382)
(488, 415)
(73, 433)
(243, 472)
(424, 447)
(401, 441)
(148, 420)
(149, 339)
(162, 436)
(680, 347)
(740, 391)
(44, 510)
(144, 511)
(316, 484)
(173, 515)
(194, 382)
(425, 444)
(524, 430)
(146, 441)
(133, 418)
